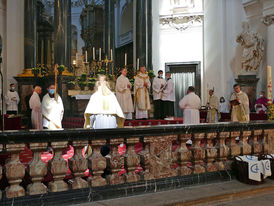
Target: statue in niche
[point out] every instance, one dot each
(252, 44)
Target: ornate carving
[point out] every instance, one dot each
(257, 142)
(199, 154)
(252, 44)
(186, 155)
(98, 164)
(15, 171)
(181, 22)
(223, 150)
(268, 20)
(133, 160)
(246, 146)
(58, 167)
(211, 152)
(116, 162)
(78, 165)
(158, 158)
(37, 170)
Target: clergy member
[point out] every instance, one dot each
(141, 94)
(12, 99)
(212, 108)
(168, 98)
(103, 110)
(35, 106)
(157, 87)
(240, 105)
(123, 94)
(52, 110)
(191, 104)
(261, 104)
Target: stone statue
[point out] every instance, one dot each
(252, 44)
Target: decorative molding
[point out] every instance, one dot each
(268, 20)
(181, 22)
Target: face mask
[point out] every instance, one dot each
(13, 88)
(261, 95)
(51, 91)
(160, 75)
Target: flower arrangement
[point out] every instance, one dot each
(82, 84)
(270, 112)
(35, 70)
(61, 68)
(151, 74)
(71, 84)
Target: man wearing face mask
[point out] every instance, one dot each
(158, 86)
(52, 110)
(12, 99)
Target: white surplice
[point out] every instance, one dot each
(36, 115)
(141, 95)
(240, 112)
(103, 111)
(212, 113)
(52, 112)
(12, 99)
(169, 91)
(123, 94)
(191, 104)
(223, 107)
(157, 87)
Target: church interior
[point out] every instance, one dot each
(212, 46)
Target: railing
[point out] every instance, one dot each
(131, 157)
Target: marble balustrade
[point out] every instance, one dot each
(123, 156)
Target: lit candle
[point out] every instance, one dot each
(111, 58)
(86, 56)
(138, 64)
(269, 84)
(125, 59)
(99, 54)
(74, 62)
(93, 53)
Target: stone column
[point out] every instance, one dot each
(149, 34)
(141, 32)
(60, 31)
(133, 160)
(15, 171)
(37, 170)
(30, 33)
(211, 152)
(186, 155)
(198, 154)
(68, 45)
(268, 20)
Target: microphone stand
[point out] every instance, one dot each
(2, 95)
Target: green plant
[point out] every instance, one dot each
(84, 76)
(100, 71)
(151, 74)
(92, 79)
(71, 84)
(91, 84)
(35, 70)
(131, 82)
(82, 84)
(61, 68)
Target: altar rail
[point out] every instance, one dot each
(151, 154)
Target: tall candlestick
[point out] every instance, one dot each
(100, 54)
(138, 64)
(111, 57)
(93, 53)
(86, 55)
(76, 57)
(269, 84)
(125, 59)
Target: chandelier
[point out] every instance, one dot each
(77, 3)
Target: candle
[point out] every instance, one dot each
(125, 59)
(99, 54)
(86, 56)
(111, 58)
(74, 62)
(76, 57)
(138, 64)
(93, 53)
(269, 84)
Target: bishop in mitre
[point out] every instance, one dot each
(141, 94)
(240, 105)
(212, 108)
(52, 109)
(103, 110)
(35, 105)
(123, 94)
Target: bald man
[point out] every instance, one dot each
(35, 106)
